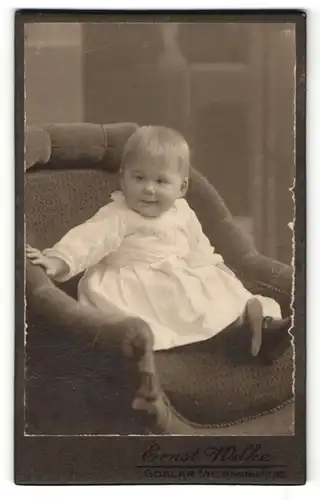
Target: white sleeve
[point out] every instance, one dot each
(200, 244)
(85, 245)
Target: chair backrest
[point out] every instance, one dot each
(71, 169)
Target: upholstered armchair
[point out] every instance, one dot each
(86, 374)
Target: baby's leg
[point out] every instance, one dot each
(251, 319)
(270, 336)
(264, 337)
(253, 335)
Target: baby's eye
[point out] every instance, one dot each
(139, 177)
(162, 181)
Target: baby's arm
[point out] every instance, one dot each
(201, 246)
(85, 245)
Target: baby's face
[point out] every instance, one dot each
(152, 189)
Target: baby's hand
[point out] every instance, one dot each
(51, 265)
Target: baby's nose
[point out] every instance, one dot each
(149, 187)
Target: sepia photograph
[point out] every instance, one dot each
(159, 236)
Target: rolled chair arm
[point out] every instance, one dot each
(266, 276)
(130, 338)
(268, 271)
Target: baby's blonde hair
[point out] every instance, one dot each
(157, 143)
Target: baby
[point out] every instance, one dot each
(144, 254)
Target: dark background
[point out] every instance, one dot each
(229, 87)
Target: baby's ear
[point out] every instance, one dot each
(184, 186)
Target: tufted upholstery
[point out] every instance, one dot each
(66, 198)
(65, 145)
(70, 171)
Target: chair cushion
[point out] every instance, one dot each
(209, 383)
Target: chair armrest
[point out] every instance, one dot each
(268, 271)
(130, 338)
(238, 251)
(217, 221)
(265, 276)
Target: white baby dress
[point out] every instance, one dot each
(163, 270)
